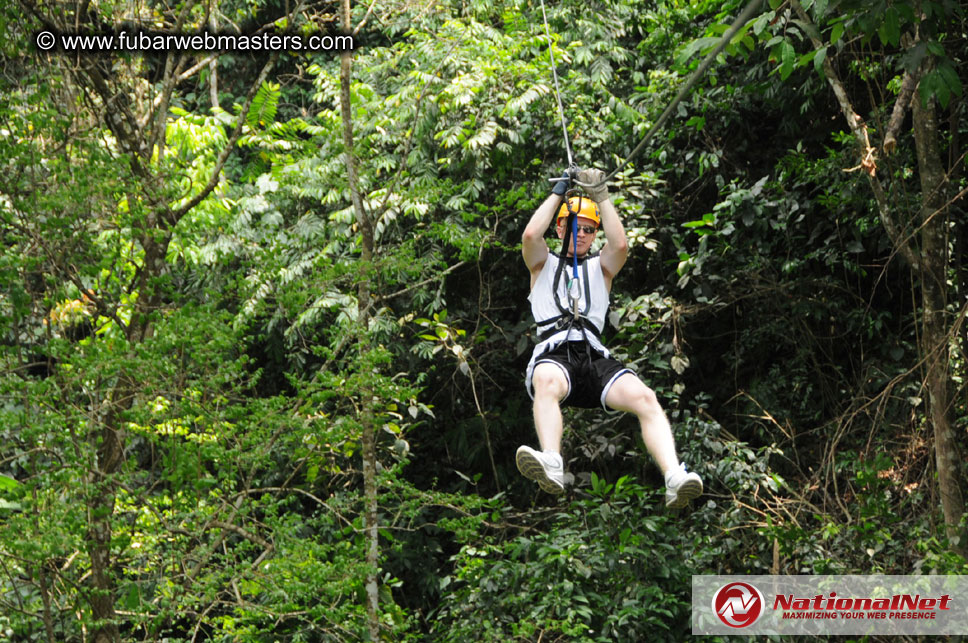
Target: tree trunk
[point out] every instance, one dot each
(110, 454)
(213, 66)
(367, 420)
(932, 264)
(99, 549)
(934, 338)
(100, 520)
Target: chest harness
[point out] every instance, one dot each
(570, 315)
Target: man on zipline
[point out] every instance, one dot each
(570, 365)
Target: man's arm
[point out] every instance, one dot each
(533, 245)
(616, 248)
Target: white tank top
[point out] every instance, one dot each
(592, 287)
(543, 306)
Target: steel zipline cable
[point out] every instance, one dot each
(554, 75)
(741, 20)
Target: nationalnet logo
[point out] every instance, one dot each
(864, 605)
(898, 606)
(738, 604)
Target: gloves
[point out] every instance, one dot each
(593, 181)
(562, 186)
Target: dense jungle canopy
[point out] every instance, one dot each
(264, 315)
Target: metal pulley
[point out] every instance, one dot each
(574, 294)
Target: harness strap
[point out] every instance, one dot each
(570, 318)
(566, 322)
(561, 258)
(565, 310)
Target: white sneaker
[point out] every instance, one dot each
(544, 468)
(681, 487)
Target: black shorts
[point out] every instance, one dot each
(590, 375)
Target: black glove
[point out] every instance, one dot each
(562, 185)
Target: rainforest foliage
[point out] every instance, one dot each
(264, 321)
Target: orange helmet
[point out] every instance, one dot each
(584, 206)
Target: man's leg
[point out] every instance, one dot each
(629, 394)
(550, 387)
(546, 466)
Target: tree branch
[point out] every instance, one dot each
(859, 129)
(900, 110)
(228, 526)
(178, 213)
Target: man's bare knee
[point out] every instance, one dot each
(648, 399)
(549, 380)
(630, 394)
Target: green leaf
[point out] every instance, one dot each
(933, 85)
(263, 108)
(788, 58)
(806, 58)
(696, 121)
(760, 24)
(912, 58)
(819, 9)
(132, 597)
(889, 30)
(696, 45)
(950, 77)
(7, 483)
(819, 58)
(836, 32)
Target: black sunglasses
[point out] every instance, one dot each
(588, 229)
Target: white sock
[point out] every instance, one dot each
(673, 471)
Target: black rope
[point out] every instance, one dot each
(562, 260)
